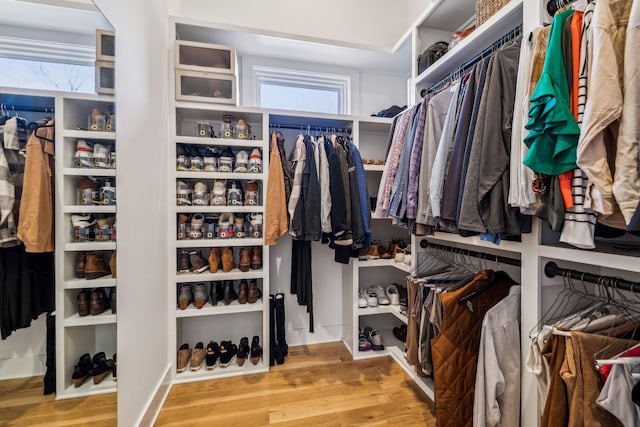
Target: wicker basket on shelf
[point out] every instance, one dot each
(485, 9)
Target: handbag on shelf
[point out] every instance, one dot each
(431, 55)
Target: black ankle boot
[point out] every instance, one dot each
(282, 349)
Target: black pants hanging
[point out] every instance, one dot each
(301, 281)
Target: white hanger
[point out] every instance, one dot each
(618, 361)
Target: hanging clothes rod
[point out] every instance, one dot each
(424, 244)
(555, 5)
(551, 269)
(457, 73)
(26, 108)
(309, 128)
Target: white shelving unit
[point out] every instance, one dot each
(220, 322)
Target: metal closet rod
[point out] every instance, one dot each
(424, 244)
(555, 5)
(310, 128)
(26, 108)
(551, 269)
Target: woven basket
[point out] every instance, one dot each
(485, 9)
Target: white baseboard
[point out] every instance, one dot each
(31, 365)
(156, 401)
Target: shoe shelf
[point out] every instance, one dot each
(198, 140)
(384, 263)
(220, 308)
(201, 243)
(382, 309)
(373, 168)
(230, 371)
(101, 319)
(107, 385)
(85, 134)
(234, 274)
(88, 172)
(107, 282)
(219, 209)
(424, 383)
(247, 176)
(88, 209)
(90, 246)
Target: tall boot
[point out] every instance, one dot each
(272, 331)
(282, 349)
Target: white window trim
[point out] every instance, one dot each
(307, 79)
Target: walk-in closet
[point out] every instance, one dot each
(422, 212)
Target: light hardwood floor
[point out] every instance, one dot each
(319, 385)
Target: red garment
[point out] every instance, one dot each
(605, 370)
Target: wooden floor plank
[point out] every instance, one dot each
(318, 385)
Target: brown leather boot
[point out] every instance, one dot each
(254, 292)
(94, 267)
(214, 260)
(81, 261)
(243, 292)
(245, 259)
(112, 264)
(228, 263)
(98, 302)
(83, 302)
(256, 257)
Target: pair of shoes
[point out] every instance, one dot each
(374, 338)
(91, 265)
(97, 367)
(197, 294)
(223, 292)
(192, 261)
(249, 292)
(254, 353)
(89, 228)
(403, 256)
(194, 358)
(375, 295)
(371, 253)
(197, 158)
(363, 342)
(94, 301)
(400, 332)
(94, 155)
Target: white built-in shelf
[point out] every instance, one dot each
(88, 172)
(374, 124)
(102, 282)
(600, 259)
(107, 385)
(505, 245)
(85, 134)
(197, 140)
(90, 246)
(234, 274)
(207, 243)
(218, 209)
(424, 383)
(220, 175)
(384, 263)
(101, 319)
(382, 309)
(373, 168)
(220, 308)
(506, 19)
(89, 209)
(218, 372)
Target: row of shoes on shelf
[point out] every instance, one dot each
(374, 296)
(219, 226)
(213, 159)
(228, 129)
(192, 261)
(222, 193)
(101, 121)
(366, 161)
(218, 292)
(223, 354)
(369, 339)
(96, 301)
(93, 228)
(97, 367)
(91, 265)
(396, 250)
(95, 192)
(95, 155)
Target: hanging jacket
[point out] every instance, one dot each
(275, 221)
(340, 227)
(312, 228)
(357, 222)
(297, 160)
(363, 193)
(35, 225)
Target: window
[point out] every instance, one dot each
(278, 88)
(27, 74)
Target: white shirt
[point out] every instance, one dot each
(615, 396)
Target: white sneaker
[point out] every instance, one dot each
(83, 227)
(183, 193)
(393, 295)
(372, 298)
(255, 161)
(242, 162)
(362, 299)
(84, 154)
(200, 194)
(382, 296)
(101, 156)
(255, 222)
(225, 163)
(219, 193)
(197, 223)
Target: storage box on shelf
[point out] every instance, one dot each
(105, 62)
(85, 227)
(206, 57)
(206, 87)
